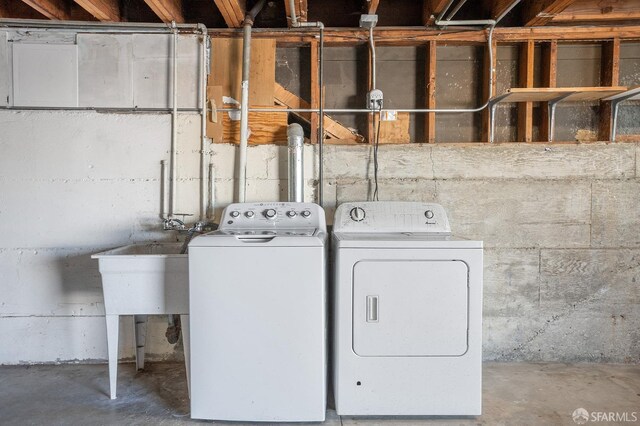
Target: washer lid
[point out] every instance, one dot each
(415, 240)
(261, 238)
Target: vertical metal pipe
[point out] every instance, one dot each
(294, 18)
(244, 113)
(163, 190)
(212, 194)
(295, 136)
(203, 123)
(174, 124)
(373, 59)
(321, 121)
(614, 120)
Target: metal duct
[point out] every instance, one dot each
(295, 135)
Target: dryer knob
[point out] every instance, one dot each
(249, 214)
(429, 214)
(270, 213)
(235, 213)
(357, 214)
(305, 213)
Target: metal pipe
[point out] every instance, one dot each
(295, 137)
(174, 124)
(203, 123)
(507, 10)
(84, 26)
(100, 109)
(244, 103)
(373, 59)
(321, 121)
(212, 194)
(294, 18)
(440, 16)
(455, 9)
(466, 22)
(163, 189)
(614, 120)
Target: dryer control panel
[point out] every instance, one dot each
(391, 216)
(243, 216)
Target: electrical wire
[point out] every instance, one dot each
(376, 144)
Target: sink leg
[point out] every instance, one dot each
(184, 323)
(113, 328)
(140, 333)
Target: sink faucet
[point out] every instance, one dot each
(173, 224)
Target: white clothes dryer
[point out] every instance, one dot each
(408, 312)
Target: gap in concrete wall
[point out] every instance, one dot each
(459, 80)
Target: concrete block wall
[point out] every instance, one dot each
(560, 225)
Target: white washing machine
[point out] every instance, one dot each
(408, 312)
(257, 293)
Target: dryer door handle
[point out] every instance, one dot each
(372, 308)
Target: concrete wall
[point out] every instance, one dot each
(559, 224)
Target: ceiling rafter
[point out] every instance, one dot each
(431, 9)
(103, 10)
(538, 13)
(167, 10)
(232, 11)
(52, 9)
(372, 7)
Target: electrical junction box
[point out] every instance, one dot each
(368, 21)
(375, 99)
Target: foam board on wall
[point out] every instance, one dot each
(45, 75)
(105, 70)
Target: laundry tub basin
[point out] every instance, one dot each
(145, 279)
(141, 280)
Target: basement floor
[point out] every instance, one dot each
(514, 393)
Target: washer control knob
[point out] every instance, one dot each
(291, 213)
(249, 214)
(357, 214)
(235, 213)
(429, 214)
(270, 213)
(305, 213)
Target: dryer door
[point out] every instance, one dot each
(410, 308)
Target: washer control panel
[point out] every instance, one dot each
(391, 216)
(242, 216)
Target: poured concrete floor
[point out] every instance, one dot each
(514, 394)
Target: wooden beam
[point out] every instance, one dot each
(52, 9)
(430, 77)
(541, 12)
(372, 7)
(167, 10)
(315, 90)
(498, 7)
(16, 9)
(525, 79)
(600, 10)
(489, 73)
(233, 11)
(371, 118)
(332, 128)
(549, 74)
(609, 76)
(103, 10)
(420, 36)
(431, 9)
(301, 10)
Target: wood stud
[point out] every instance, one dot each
(430, 77)
(609, 76)
(549, 70)
(525, 79)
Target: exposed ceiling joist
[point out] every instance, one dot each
(498, 7)
(16, 9)
(372, 7)
(52, 9)
(431, 9)
(103, 10)
(232, 11)
(167, 10)
(301, 10)
(599, 10)
(537, 13)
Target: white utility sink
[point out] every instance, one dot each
(141, 280)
